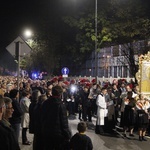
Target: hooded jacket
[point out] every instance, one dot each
(54, 120)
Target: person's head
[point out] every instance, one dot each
(104, 91)
(128, 88)
(129, 94)
(26, 93)
(14, 93)
(85, 89)
(81, 127)
(21, 85)
(60, 81)
(9, 108)
(122, 85)
(57, 90)
(3, 85)
(42, 98)
(55, 81)
(109, 90)
(35, 95)
(141, 96)
(9, 87)
(2, 107)
(115, 87)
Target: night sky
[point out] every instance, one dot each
(17, 15)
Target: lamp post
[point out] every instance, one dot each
(18, 45)
(96, 59)
(95, 51)
(18, 48)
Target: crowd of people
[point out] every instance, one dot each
(43, 107)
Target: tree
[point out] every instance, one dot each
(43, 56)
(119, 22)
(129, 24)
(70, 41)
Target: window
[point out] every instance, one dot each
(116, 50)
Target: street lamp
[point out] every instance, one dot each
(96, 60)
(26, 34)
(95, 51)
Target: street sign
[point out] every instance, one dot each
(65, 71)
(25, 49)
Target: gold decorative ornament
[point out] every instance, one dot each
(143, 74)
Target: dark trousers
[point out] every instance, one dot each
(87, 112)
(109, 125)
(53, 143)
(71, 108)
(37, 142)
(99, 129)
(24, 135)
(94, 107)
(122, 120)
(80, 114)
(16, 128)
(116, 115)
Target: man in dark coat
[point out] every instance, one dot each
(15, 120)
(54, 121)
(8, 139)
(4, 140)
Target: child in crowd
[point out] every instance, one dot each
(80, 141)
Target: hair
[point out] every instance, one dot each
(25, 93)
(103, 88)
(81, 127)
(35, 95)
(57, 90)
(49, 83)
(141, 95)
(42, 98)
(7, 101)
(129, 94)
(13, 93)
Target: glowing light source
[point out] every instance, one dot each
(27, 33)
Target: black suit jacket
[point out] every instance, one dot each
(8, 140)
(54, 119)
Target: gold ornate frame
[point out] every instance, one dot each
(143, 74)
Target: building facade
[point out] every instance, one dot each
(114, 61)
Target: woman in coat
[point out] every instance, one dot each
(129, 114)
(24, 104)
(142, 106)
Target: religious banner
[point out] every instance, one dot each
(143, 74)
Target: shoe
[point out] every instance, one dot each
(26, 143)
(140, 138)
(102, 133)
(80, 119)
(143, 139)
(124, 135)
(131, 135)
